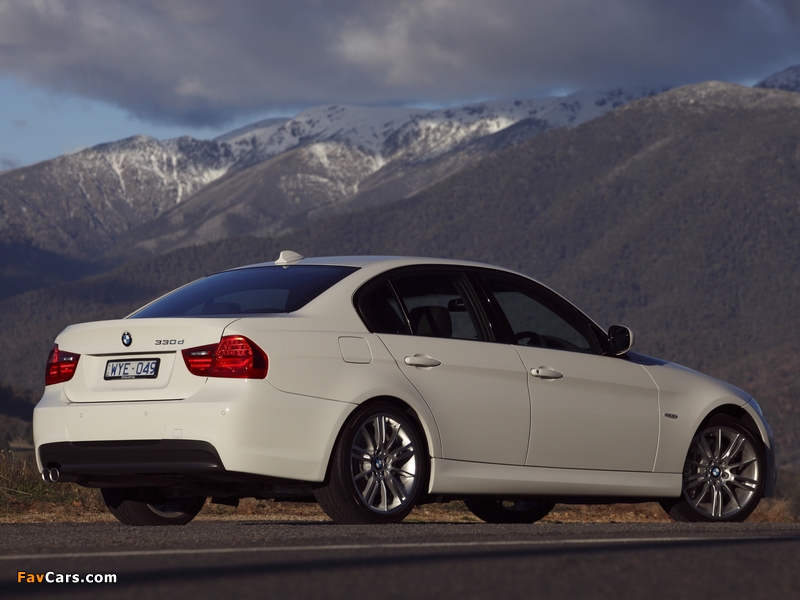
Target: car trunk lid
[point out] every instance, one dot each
(136, 359)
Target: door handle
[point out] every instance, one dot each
(546, 373)
(421, 360)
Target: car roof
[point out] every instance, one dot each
(385, 262)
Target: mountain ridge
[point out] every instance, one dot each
(81, 204)
(788, 80)
(368, 160)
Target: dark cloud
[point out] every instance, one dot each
(203, 62)
(20, 123)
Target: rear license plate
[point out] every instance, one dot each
(137, 368)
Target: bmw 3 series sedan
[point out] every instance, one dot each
(373, 384)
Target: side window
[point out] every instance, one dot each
(436, 304)
(532, 322)
(381, 311)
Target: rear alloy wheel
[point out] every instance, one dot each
(723, 476)
(494, 510)
(379, 468)
(150, 506)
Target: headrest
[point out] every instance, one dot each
(431, 321)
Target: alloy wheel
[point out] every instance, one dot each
(384, 463)
(722, 473)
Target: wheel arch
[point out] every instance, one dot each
(368, 476)
(726, 452)
(750, 418)
(736, 412)
(683, 415)
(430, 433)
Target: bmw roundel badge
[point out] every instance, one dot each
(127, 340)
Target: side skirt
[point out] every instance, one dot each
(459, 478)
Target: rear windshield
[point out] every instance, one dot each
(248, 291)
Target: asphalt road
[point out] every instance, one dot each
(257, 559)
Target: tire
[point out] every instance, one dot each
(495, 510)
(723, 476)
(379, 467)
(149, 506)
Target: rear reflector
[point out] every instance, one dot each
(234, 356)
(61, 366)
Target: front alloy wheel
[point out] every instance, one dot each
(723, 476)
(379, 468)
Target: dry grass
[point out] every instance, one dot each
(774, 510)
(90, 509)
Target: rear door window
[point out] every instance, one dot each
(425, 302)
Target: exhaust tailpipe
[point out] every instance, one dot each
(50, 475)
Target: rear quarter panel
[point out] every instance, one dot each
(309, 362)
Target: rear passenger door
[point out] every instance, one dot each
(477, 390)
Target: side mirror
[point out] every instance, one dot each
(620, 339)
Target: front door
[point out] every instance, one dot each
(588, 411)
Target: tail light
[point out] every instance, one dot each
(61, 366)
(235, 356)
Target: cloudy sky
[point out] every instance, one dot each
(74, 73)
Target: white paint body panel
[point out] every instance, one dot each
(602, 414)
(479, 394)
(690, 396)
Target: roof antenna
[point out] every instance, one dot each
(288, 257)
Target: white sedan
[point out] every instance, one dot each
(379, 383)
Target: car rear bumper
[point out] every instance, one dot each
(83, 461)
(229, 426)
(190, 466)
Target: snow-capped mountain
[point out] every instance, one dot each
(80, 204)
(422, 133)
(261, 126)
(337, 158)
(77, 204)
(788, 79)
